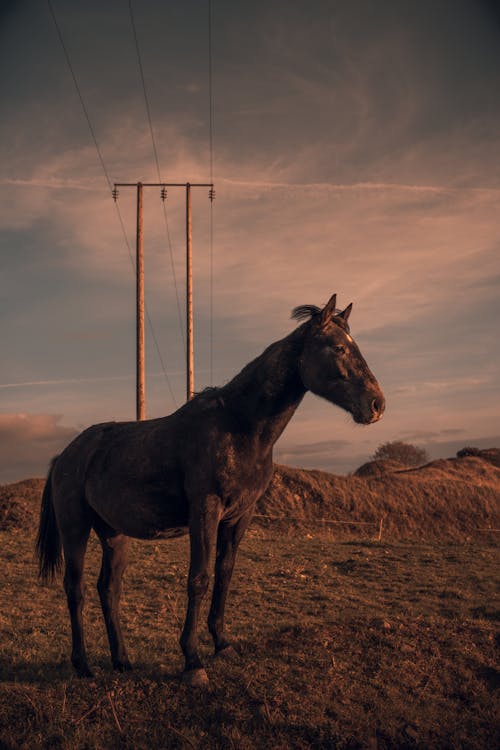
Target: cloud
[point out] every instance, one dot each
(455, 384)
(66, 381)
(28, 442)
(376, 238)
(315, 449)
(335, 171)
(429, 435)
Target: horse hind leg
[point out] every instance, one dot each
(115, 553)
(74, 554)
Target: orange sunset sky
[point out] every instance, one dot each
(356, 150)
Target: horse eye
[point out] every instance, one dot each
(339, 349)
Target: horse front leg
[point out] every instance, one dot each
(202, 534)
(228, 540)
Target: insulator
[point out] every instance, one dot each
(211, 194)
(163, 194)
(115, 193)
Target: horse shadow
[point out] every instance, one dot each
(45, 672)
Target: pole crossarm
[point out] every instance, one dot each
(165, 184)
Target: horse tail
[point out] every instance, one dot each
(48, 541)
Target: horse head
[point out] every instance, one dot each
(331, 365)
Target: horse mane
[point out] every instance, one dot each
(209, 396)
(305, 312)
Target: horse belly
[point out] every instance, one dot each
(171, 533)
(143, 513)
(150, 526)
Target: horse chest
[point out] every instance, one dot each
(243, 478)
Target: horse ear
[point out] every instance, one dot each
(345, 313)
(328, 311)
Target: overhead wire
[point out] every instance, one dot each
(158, 170)
(78, 91)
(106, 175)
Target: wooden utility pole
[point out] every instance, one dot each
(189, 298)
(140, 382)
(139, 264)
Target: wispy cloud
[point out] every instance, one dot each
(316, 448)
(51, 183)
(454, 384)
(360, 186)
(65, 381)
(103, 379)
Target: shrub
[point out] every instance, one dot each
(405, 453)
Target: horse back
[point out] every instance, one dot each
(141, 477)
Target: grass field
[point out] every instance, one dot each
(341, 645)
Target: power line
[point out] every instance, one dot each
(146, 99)
(158, 170)
(106, 175)
(84, 108)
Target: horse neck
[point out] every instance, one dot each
(266, 393)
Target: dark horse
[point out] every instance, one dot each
(198, 471)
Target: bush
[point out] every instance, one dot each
(405, 453)
(469, 451)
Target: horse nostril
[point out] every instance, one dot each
(377, 406)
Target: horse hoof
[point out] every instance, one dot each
(196, 678)
(122, 666)
(228, 653)
(84, 672)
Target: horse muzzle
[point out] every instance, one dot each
(370, 409)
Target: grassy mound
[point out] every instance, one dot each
(452, 499)
(379, 466)
(489, 454)
(19, 503)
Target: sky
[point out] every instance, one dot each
(355, 150)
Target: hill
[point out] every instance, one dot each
(20, 503)
(453, 499)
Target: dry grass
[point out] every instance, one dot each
(19, 502)
(379, 466)
(343, 645)
(454, 499)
